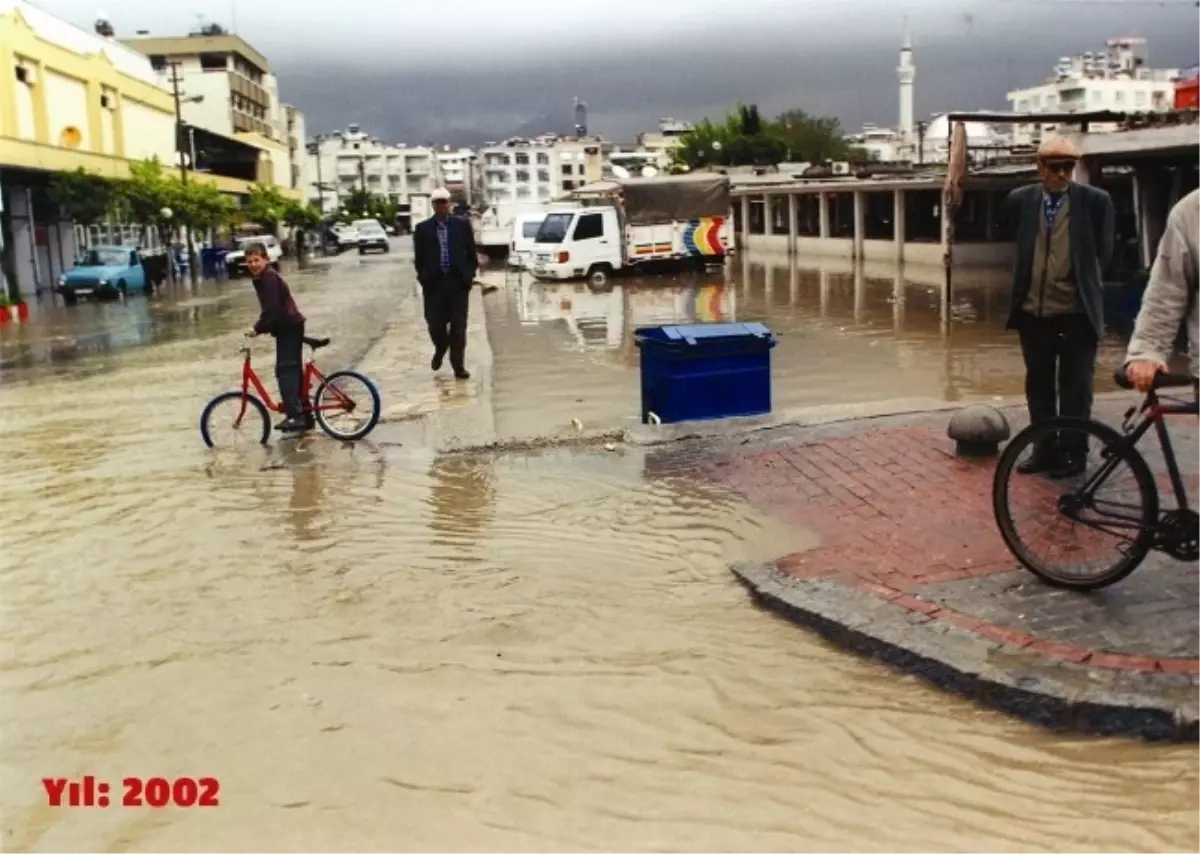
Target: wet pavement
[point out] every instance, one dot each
(381, 647)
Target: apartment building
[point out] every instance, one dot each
(351, 159)
(460, 171)
(538, 170)
(293, 132)
(232, 80)
(1114, 79)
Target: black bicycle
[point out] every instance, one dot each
(1101, 522)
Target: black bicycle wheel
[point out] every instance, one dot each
(232, 419)
(353, 402)
(1099, 522)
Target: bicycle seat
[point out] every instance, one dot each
(316, 343)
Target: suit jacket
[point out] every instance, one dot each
(427, 252)
(1093, 221)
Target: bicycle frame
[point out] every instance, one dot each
(1153, 413)
(309, 378)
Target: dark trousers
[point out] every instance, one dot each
(447, 298)
(289, 365)
(1060, 366)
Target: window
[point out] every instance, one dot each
(589, 227)
(522, 159)
(1119, 97)
(543, 159)
(214, 62)
(158, 63)
(566, 170)
(522, 176)
(543, 176)
(1139, 99)
(568, 185)
(554, 228)
(582, 169)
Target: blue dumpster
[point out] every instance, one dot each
(705, 371)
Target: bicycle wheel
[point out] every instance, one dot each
(1099, 522)
(347, 406)
(233, 419)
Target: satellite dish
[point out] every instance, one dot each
(649, 171)
(620, 171)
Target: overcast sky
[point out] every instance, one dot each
(468, 70)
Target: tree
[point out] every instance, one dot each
(812, 139)
(297, 215)
(202, 206)
(149, 196)
(356, 205)
(84, 198)
(744, 139)
(266, 206)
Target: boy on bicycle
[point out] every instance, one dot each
(281, 319)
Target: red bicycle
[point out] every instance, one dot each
(342, 395)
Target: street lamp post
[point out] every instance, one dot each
(315, 149)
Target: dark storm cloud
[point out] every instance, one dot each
(471, 70)
(846, 68)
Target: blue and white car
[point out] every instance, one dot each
(104, 271)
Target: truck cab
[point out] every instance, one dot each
(579, 242)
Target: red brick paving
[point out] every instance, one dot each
(903, 520)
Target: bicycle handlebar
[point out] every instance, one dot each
(1162, 380)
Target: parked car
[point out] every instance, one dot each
(371, 237)
(524, 229)
(235, 261)
(347, 237)
(104, 271)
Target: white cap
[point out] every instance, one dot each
(441, 194)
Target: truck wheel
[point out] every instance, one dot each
(598, 275)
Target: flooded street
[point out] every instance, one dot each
(845, 335)
(380, 647)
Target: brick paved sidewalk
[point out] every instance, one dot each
(911, 570)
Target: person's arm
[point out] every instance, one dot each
(474, 253)
(418, 250)
(1105, 225)
(1164, 302)
(270, 300)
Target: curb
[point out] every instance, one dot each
(1058, 696)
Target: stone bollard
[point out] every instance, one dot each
(978, 431)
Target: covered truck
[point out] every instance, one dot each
(616, 226)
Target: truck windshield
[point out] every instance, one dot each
(554, 228)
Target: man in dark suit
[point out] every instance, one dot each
(444, 255)
(1064, 243)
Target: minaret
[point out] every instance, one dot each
(905, 72)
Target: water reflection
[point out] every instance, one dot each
(847, 333)
(462, 497)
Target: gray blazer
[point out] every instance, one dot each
(1093, 222)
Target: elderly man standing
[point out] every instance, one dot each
(444, 255)
(1064, 242)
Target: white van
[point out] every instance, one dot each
(524, 229)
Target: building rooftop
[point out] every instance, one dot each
(81, 41)
(196, 43)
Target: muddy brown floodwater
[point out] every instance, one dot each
(380, 648)
(846, 334)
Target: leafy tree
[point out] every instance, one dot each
(202, 206)
(744, 139)
(812, 139)
(149, 195)
(266, 205)
(356, 205)
(84, 198)
(297, 215)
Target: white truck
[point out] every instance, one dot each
(493, 235)
(638, 223)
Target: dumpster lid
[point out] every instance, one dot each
(691, 333)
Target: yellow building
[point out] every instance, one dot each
(72, 99)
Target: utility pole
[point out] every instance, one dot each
(182, 157)
(921, 126)
(316, 150)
